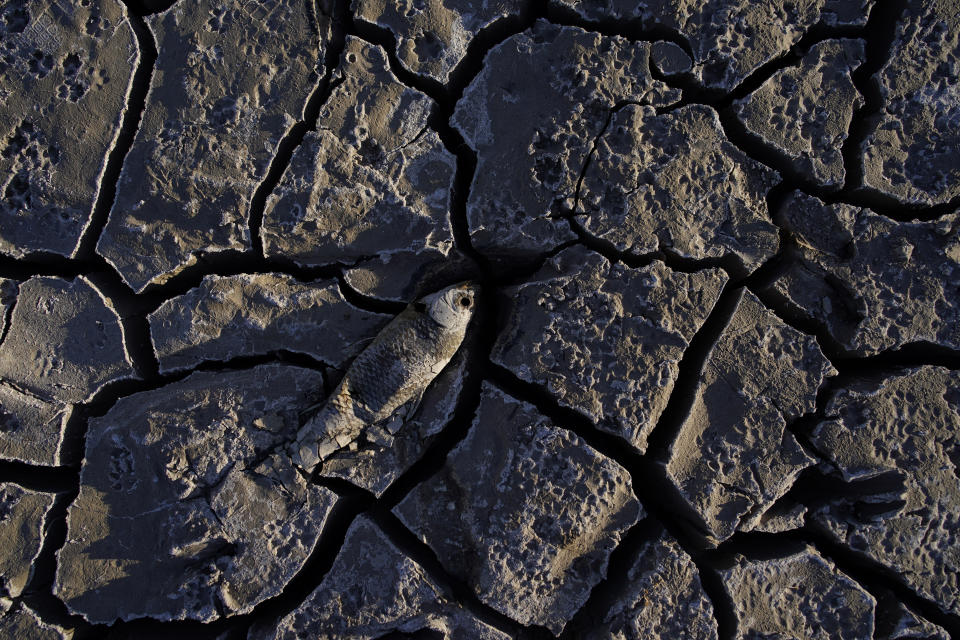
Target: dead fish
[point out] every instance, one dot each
(396, 368)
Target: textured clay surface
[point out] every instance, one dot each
(543, 534)
(913, 153)
(433, 35)
(704, 385)
(195, 468)
(874, 283)
(65, 74)
(234, 316)
(24, 624)
(674, 182)
(904, 430)
(231, 79)
(798, 596)
(594, 334)
(374, 591)
(63, 343)
(663, 597)
(733, 457)
(372, 182)
(22, 514)
(805, 111)
(532, 131)
(729, 39)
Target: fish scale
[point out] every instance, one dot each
(394, 369)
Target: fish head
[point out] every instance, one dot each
(453, 306)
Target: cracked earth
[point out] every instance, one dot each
(710, 389)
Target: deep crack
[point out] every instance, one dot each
(132, 115)
(294, 137)
(655, 491)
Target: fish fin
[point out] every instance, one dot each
(350, 346)
(401, 415)
(413, 405)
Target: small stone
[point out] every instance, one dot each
(913, 153)
(64, 342)
(605, 339)
(375, 591)
(674, 182)
(798, 596)
(663, 598)
(873, 283)
(730, 39)
(533, 129)
(433, 35)
(372, 182)
(538, 513)
(232, 78)
(670, 59)
(733, 456)
(22, 515)
(251, 314)
(902, 431)
(65, 71)
(22, 623)
(186, 509)
(805, 111)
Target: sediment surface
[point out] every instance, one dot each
(710, 390)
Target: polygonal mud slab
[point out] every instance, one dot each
(63, 344)
(433, 35)
(663, 598)
(374, 591)
(913, 154)
(230, 316)
(733, 456)
(674, 182)
(606, 340)
(232, 78)
(524, 512)
(798, 596)
(22, 514)
(873, 283)
(31, 427)
(65, 71)
(64, 341)
(21, 623)
(729, 39)
(532, 115)
(904, 430)
(188, 506)
(805, 111)
(386, 451)
(371, 181)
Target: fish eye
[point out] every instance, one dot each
(465, 302)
